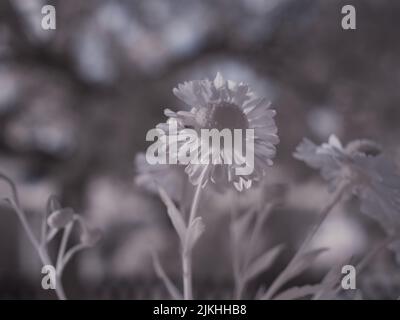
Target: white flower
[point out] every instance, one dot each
(372, 177)
(221, 104)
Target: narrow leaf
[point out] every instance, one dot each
(296, 267)
(174, 214)
(263, 262)
(328, 289)
(303, 263)
(298, 292)
(196, 229)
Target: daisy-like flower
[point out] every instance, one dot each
(362, 166)
(222, 104)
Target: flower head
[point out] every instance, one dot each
(368, 174)
(224, 106)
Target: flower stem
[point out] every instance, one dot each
(186, 252)
(235, 254)
(337, 196)
(43, 255)
(281, 279)
(63, 247)
(196, 200)
(187, 275)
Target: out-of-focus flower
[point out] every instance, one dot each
(337, 163)
(222, 104)
(170, 177)
(369, 175)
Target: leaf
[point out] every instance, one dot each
(196, 229)
(260, 292)
(328, 290)
(263, 262)
(296, 267)
(174, 214)
(325, 289)
(299, 292)
(303, 263)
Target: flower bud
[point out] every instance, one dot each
(53, 204)
(90, 237)
(60, 218)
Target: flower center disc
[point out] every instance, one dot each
(225, 115)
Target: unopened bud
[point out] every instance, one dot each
(53, 204)
(60, 218)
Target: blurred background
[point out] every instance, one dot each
(77, 102)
